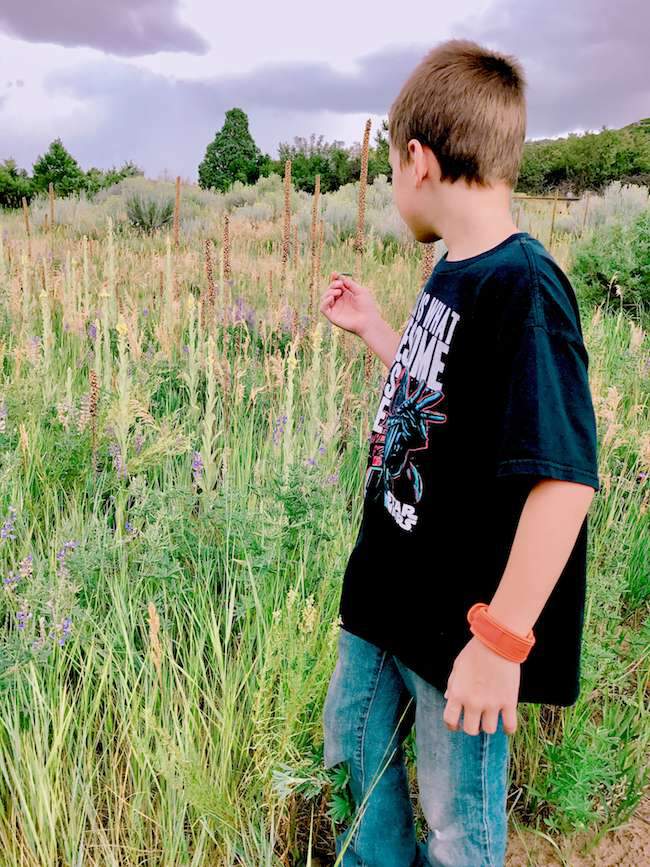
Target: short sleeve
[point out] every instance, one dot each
(548, 425)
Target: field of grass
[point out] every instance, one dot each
(182, 443)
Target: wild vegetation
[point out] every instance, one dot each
(182, 443)
(572, 165)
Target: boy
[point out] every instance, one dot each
(481, 470)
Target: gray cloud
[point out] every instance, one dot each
(586, 65)
(166, 123)
(124, 27)
(587, 61)
(161, 122)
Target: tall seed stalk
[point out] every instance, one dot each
(287, 439)
(209, 424)
(28, 230)
(314, 240)
(361, 212)
(209, 301)
(286, 224)
(86, 276)
(191, 376)
(177, 212)
(227, 267)
(428, 261)
(315, 386)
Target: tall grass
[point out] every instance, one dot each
(181, 452)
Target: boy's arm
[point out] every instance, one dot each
(351, 306)
(483, 683)
(381, 339)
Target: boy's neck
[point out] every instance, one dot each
(475, 220)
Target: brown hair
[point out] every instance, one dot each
(468, 105)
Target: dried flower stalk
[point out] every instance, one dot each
(286, 225)
(363, 183)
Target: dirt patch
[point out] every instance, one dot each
(628, 846)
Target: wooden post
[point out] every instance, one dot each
(584, 216)
(550, 240)
(51, 192)
(177, 211)
(27, 228)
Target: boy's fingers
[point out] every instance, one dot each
(331, 295)
(471, 720)
(350, 284)
(509, 715)
(490, 721)
(452, 714)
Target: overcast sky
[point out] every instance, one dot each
(150, 80)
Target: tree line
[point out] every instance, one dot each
(570, 165)
(57, 167)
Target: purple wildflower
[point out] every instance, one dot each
(26, 567)
(118, 462)
(278, 428)
(66, 627)
(11, 580)
(197, 467)
(8, 528)
(138, 442)
(62, 569)
(333, 479)
(92, 331)
(22, 617)
(145, 311)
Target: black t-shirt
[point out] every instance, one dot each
(488, 393)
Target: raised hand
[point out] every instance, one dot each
(349, 306)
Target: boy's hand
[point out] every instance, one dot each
(349, 305)
(482, 684)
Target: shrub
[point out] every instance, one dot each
(148, 216)
(614, 265)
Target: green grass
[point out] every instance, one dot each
(199, 741)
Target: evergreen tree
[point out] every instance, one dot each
(232, 155)
(58, 167)
(14, 184)
(381, 161)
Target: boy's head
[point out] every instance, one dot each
(458, 124)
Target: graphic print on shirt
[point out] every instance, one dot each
(409, 406)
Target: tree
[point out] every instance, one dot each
(381, 161)
(59, 168)
(98, 179)
(232, 155)
(14, 184)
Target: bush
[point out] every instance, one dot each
(613, 265)
(148, 216)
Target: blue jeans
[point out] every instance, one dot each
(372, 702)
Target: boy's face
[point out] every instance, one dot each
(414, 188)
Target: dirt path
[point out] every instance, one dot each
(628, 846)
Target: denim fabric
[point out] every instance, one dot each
(372, 702)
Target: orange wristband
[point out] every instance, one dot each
(498, 637)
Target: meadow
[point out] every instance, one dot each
(182, 446)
